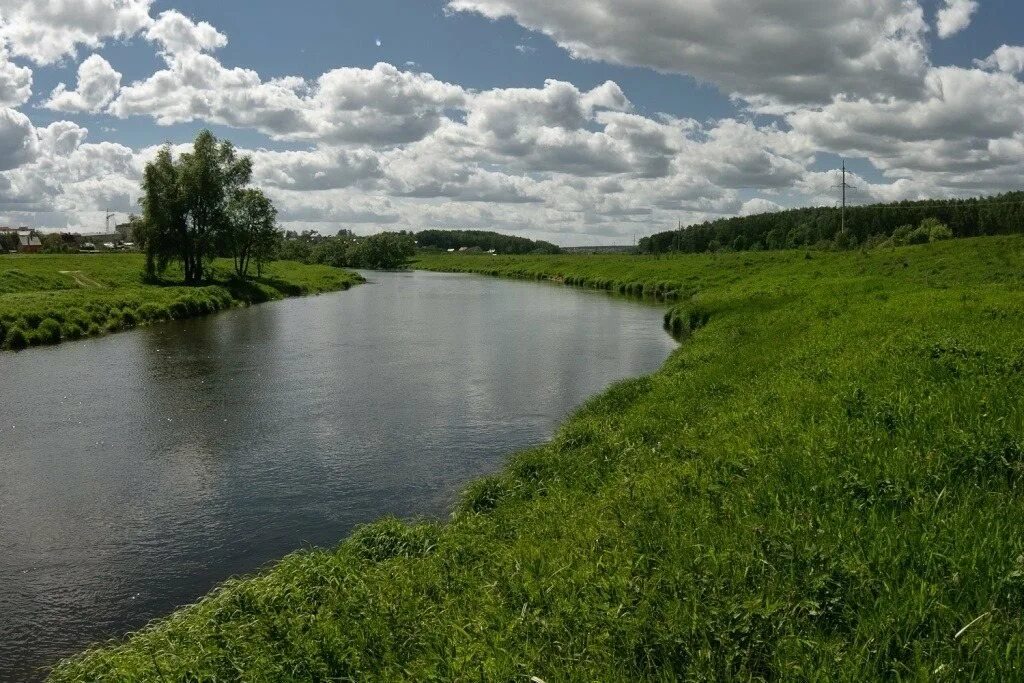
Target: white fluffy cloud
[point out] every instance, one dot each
(15, 82)
(1007, 58)
(176, 34)
(382, 105)
(955, 17)
(18, 142)
(800, 51)
(46, 31)
(98, 83)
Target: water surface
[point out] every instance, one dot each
(139, 470)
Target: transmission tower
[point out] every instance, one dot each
(844, 186)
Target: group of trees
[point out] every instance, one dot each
(199, 206)
(822, 227)
(503, 244)
(386, 250)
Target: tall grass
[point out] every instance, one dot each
(823, 483)
(45, 299)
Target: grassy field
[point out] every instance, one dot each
(45, 299)
(823, 483)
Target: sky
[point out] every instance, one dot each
(581, 122)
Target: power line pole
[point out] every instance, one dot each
(844, 186)
(844, 197)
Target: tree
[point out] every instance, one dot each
(386, 251)
(8, 242)
(186, 204)
(251, 229)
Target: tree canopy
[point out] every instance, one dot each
(194, 205)
(504, 244)
(383, 251)
(823, 226)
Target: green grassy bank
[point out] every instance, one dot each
(45, 299)
(822, 483)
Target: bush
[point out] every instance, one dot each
(936, 229)
(16, 339)
(114, 321)
(48, 332)
(150, 312)
(919, 236)
(901, 235)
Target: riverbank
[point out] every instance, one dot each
(46, 299)
(821, 483)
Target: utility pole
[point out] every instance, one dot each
(844, 196)
(844, 186)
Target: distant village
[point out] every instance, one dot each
(24, 240)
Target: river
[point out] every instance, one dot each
(139, 470)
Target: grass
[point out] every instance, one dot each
(46, 299)
(822, 483)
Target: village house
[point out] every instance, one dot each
(28, 242)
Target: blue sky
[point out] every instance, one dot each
(551, 120)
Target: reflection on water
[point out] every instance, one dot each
(138, 470)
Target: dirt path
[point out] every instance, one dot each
(82, 279)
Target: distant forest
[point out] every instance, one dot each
(481, 239)
(821, 227)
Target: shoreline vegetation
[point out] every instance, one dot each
(46, 299)
(821, 483)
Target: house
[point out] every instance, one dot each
(28, 242)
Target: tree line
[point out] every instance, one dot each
(865, 226)
(482, 239)
(386, 250)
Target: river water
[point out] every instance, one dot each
(139, 470)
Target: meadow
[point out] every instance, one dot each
(46, 299)
(822, 483)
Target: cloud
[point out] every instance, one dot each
(955, 17)
(800, 51)
(381, 106)
(322, 169)
(177, 34)
(18, 141)
(15, 82)
(47, 31)
(759, 205)
(1008, 59)
(963, 136)
(98, 83)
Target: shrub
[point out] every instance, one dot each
(128, 317)
(901, 234)
(150, 311)
(48, 332)
(16, 339)
(919, 236)
(936, 229)
(114, 321)
(179, 309)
